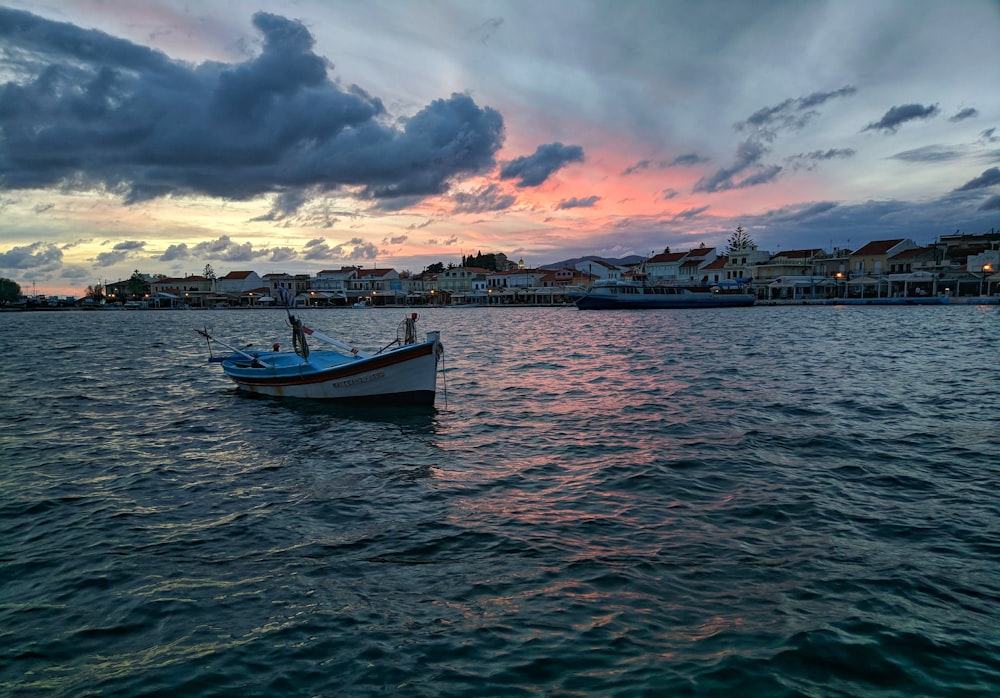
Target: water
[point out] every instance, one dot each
(795, 501)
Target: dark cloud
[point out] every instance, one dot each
(989, 135)
(967, 113)
(487, 198)
(587, 202)
(447, 242)
(688, 159)
(809, 161)
(828, 154)
(791, 114)
(800, 212)
(317, 249)
(356, 248)
(988, 178)
(75, 273)
(118, 253)
(281, 254)
(547, 159)
(685, 160)
(765, 126)
(89, 111)
(689, 213)
(748, 156)
(818, 98)
(762, 175)
(284, 205)
(175, 253)
(929, 153)
(38, 256)
(897, 116)
(395, 240)
(226, 250)
(640, 166)
(991, 204)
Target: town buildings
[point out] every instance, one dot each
(965, 265)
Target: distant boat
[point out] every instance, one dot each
(363, 303)
(405, 374)
(615, 294)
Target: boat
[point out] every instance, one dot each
(404, 372)
(625, 294)
(363, 303)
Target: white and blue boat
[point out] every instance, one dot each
(402, 373)
(619, 294)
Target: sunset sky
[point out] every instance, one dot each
(301, 135)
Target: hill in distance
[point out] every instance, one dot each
(571, 263)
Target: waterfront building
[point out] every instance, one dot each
(873, 258)
(293, 284)
(330, 286)
(189, 290)
(457, 284)
(715, 271)
(380, 286)
(787, 263)
(740, 263)
(598, 269)
(564, 277)
(692, 266)
(665, 266)
(238, 282)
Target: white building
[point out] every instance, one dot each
(599, 270)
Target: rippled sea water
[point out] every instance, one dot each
(790, 501)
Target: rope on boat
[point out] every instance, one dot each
(299, 343)
(209, 338)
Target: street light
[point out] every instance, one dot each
(840, 280)
(986, 269)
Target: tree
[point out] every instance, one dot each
(739, 241)
(136, 284)
(483, 261)
(95, 292)
(10, 290)
(436, 268)
(209, 273)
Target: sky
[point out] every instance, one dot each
(301, 135)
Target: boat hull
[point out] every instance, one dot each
(642, 301)
(404, 376)
(916, 300)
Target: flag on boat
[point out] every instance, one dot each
(286, 298)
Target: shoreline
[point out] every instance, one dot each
(954, 300)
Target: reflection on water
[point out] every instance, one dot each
(736, 501)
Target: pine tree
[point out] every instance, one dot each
(740, 240)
